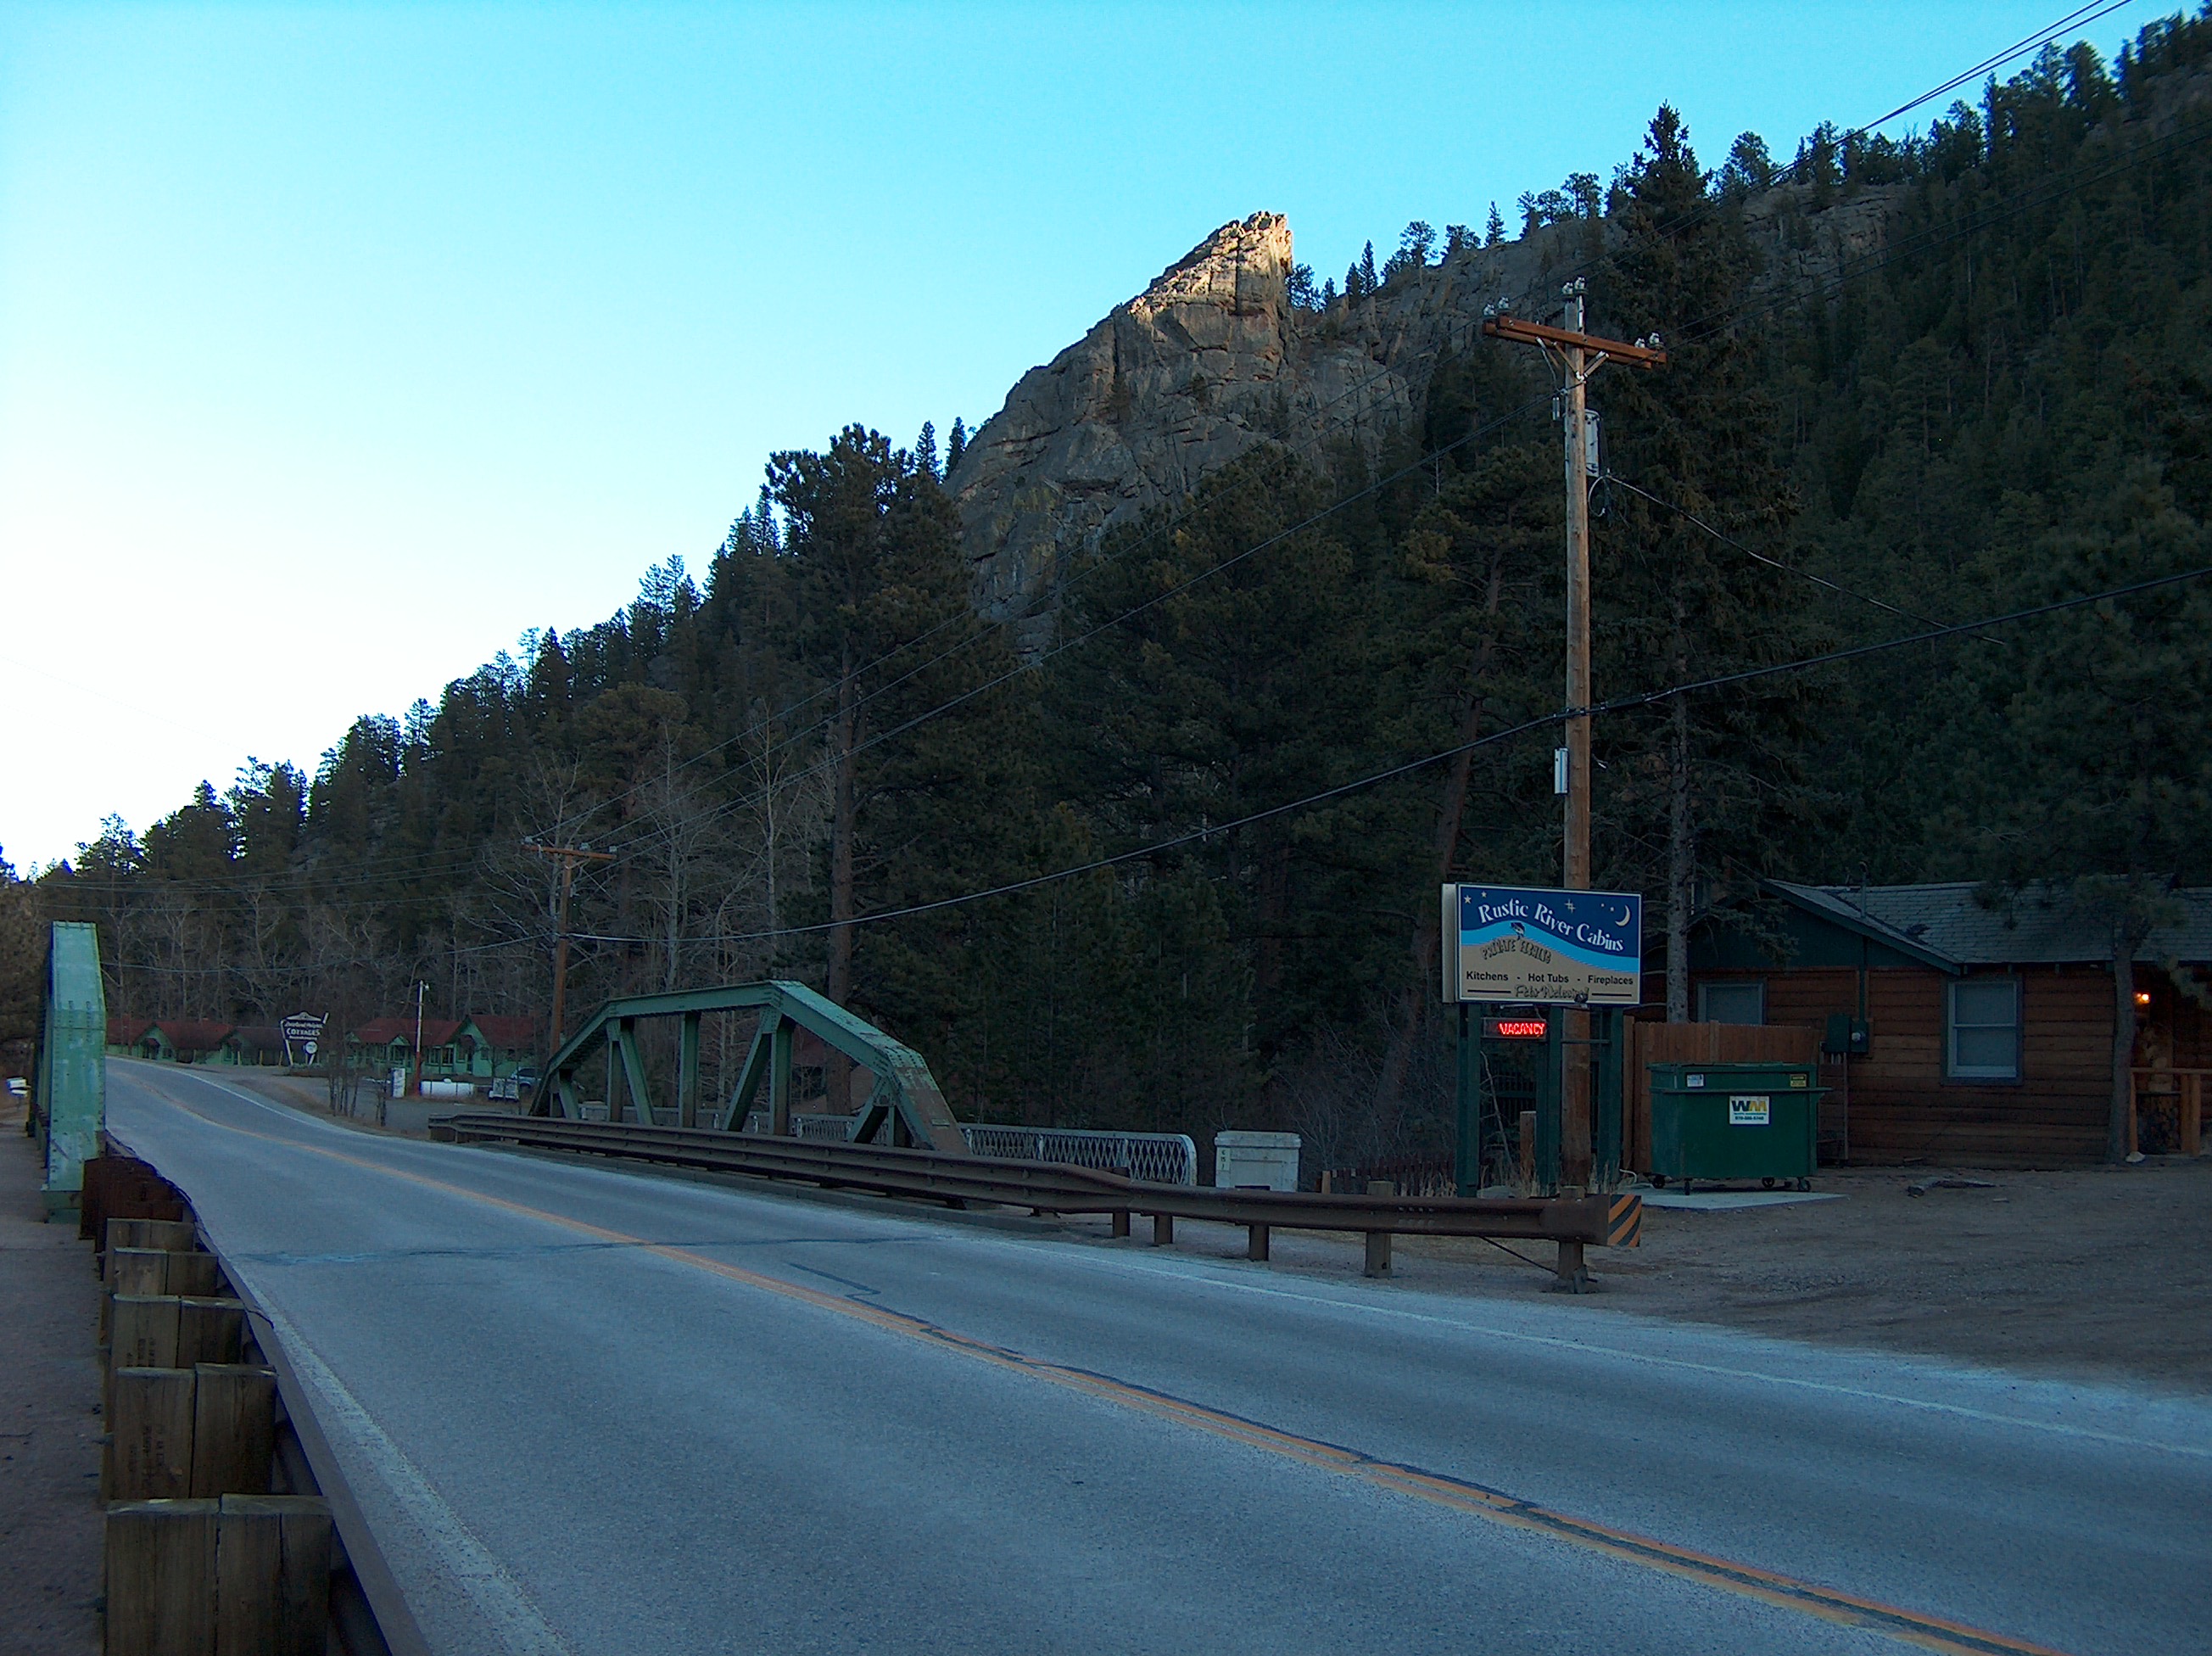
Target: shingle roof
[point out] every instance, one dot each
(508, 1033)
(193, 1034)
(382, 1031)
(127, 1031)
(1946, 925)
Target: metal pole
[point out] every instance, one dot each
(1468, 1162)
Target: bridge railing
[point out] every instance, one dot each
(1149, 1158)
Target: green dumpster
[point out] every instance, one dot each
(1735, 1121)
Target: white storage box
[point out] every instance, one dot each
(1265, 1162)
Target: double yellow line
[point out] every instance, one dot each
(1782, 1592)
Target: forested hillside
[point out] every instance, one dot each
(812, 754)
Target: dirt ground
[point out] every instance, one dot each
(49, 1426)
(2091, 1273)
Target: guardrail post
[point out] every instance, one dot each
(1378, 1242)
(1573, 1275)
(1256, 1242)
(1163, 1229)
(1120, 1221)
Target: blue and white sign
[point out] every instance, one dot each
(1516, 943)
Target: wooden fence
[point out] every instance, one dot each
(1657, 1042)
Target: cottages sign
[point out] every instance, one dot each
(1538, 946)
(303, 1034)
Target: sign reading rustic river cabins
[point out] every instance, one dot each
(1520, 946)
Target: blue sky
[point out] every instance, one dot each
(340, 344)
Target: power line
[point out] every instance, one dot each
(1774, 563)
(1619, 704)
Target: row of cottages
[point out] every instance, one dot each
(480, 1048)
(1950, 1030)
(197, 1040)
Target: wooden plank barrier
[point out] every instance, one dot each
(244, 1576)
(272, 1576)
(161, 1577)
(203, 1557)
(233, 1429)
(149, 1436)
(209, 1331)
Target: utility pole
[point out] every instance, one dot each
(1574, 357)
(569, 856)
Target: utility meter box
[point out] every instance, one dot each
(1263, 1161)
(1734, 1121)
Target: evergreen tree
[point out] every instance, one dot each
(1695, 798)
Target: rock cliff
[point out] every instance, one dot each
(1213, 358)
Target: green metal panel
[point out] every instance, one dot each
(687, 1072)
(1734, 1121)
(72, 1061)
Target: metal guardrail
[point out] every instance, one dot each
(1056, 1187)
(1151, 1158)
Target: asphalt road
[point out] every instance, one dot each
(592, 1410)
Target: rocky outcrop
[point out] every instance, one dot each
(1210, 360)
(1213, 358)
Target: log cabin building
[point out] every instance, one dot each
(1954, 1031)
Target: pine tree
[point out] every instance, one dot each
(1713, 784)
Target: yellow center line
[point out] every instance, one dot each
(1782, 1592)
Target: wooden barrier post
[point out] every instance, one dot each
(161, 1578)
(210, 1331)
(1256, 1242)
(234, 1429)
(1378, 1242)
(1120, 1221)
(273, 1576)
(1163, 1229)
(140, 1272)
(149, 1436)
(142, 1335)
(194, 1275)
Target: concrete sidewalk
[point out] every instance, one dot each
(50, 1424)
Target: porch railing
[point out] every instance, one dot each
(2149, 1088)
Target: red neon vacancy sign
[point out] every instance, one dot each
(1517, 1029)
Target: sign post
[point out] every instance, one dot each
(1511, 954)
(302, 1031)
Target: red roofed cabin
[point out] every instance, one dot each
(1954, 1032)
(453, 1049)
(389, 1044)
